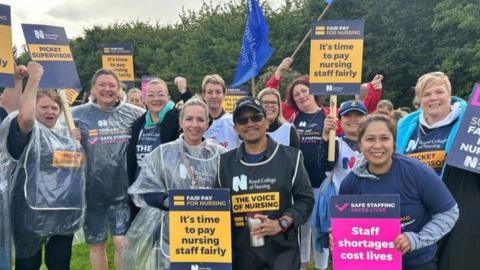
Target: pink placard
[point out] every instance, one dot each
(365, 244)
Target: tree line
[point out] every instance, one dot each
(403, 40)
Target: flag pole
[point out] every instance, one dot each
(67, 113)
(331, 132)
(310, 31)
(253, 87)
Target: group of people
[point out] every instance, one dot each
(112, 174)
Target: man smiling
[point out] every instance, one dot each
(268, 182)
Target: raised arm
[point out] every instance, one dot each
(26, 115)
(11, 96)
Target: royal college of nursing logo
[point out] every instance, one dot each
(239, 183)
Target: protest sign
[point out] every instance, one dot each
(119, 58)
(465, 151)
(200, 229)
(48, 45)
(336, 53)
(233, 95)
(364, 228)
(7, 70)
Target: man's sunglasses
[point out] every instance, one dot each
(244, 120)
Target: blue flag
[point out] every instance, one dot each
(328, 1)
(255, 50)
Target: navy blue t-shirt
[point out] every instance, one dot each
(428, 146)
(16, 142)
(3, 114)
(422, 195)
(310, 128)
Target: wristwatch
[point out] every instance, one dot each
(284, 224)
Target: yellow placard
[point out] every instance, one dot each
(67, 159)
(71, 94)
(229, 102)
(48, 52)
(336, 61)
(433, 159)
(256, 202)
(121, 64)
(6, 53)
(200, 236)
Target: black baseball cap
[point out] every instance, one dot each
(247, 102)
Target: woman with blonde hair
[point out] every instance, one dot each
(427, 135)
(280, 130)
(190, 162)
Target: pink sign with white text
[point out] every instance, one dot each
(364, 228)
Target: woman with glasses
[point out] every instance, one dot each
(281, 131)
(156, 126)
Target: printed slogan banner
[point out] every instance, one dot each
(465, 151)
(48, 45)
(119, 58)
(234, 94)
(364, 228)
(336, 53)
(7, 70)
(200, 229)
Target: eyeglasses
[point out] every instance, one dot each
(269, 103)
(244, 120)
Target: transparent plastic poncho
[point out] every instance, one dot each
(106, 133)
(174, 165)
(47, 186)
(7, 168)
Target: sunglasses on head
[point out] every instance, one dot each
(244, 120)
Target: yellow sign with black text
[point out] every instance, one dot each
(7, 69)
(201, 236)
(50, 52)
(336, 54)
(121, 64)
(200, 228)
(433, 159)
(67, 159)
(256, 202)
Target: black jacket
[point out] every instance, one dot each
(281, 184)
(170, 130)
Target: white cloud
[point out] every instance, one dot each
(76, 15)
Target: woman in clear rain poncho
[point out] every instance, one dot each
(106, 126)
(45, 167)
(8, 103)
(186, 163)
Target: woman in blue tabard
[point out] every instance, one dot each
(45, 167)
(427, 135)
(428, 210)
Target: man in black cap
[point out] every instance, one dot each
(269, 184)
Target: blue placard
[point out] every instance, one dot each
(465, 150)
(48, 45)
